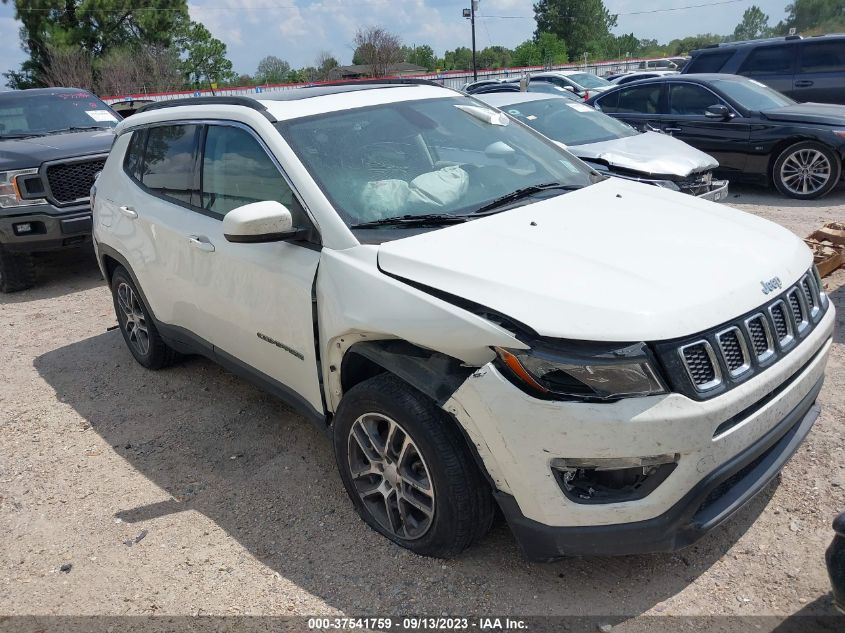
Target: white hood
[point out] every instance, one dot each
(649, 153)
(617, 261)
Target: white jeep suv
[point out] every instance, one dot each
(470, 312)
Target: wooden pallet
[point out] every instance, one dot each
(828, 246)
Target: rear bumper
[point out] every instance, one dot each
(709, 503)
(37, 229)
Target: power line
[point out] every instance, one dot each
(691, 6)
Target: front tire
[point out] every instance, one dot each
(806, 170)
(17, 271)
(408, 470)
(139, 331)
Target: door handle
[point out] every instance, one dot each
(804, 83)
(201, 242)
(671, 129)
(129, 212)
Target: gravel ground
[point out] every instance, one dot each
(242, 512)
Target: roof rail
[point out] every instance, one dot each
(409, 81)
(247, 102)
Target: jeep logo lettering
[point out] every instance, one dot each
(770, 286)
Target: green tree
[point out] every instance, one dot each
(93, 27)
(272, 70)
(420, 56)
(325, 64)
(205, 56)
(814, 15)
(754, 24)
(584, 25)
(458, 59)
(693, 42)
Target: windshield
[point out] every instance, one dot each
(436, 156)
(569, 122)
(26, 114)
(752, 95)
(589, 80)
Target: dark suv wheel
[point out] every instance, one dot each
(17, 271)
(408, 470)
(139, 331)
(806, 170)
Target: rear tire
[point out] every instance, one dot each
(17, 271)
(139, 331)
(418, 486)
(806, 170)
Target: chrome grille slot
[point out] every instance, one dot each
(782, 321)
(734, 351)
(808, 285)
(797, 307)
(761, 337)
(701, 365)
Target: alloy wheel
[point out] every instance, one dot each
(391, 476)
(134, 320)
(805, 172)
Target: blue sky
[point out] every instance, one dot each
(297, 30)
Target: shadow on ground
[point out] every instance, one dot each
(282, 499)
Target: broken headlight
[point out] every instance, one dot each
(10, 193)
(583, 371)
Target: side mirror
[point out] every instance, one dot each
(266, 221)
(569, 88)
(718, 111)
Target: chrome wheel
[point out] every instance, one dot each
(133, 320)
(805, 172)
(390, 476)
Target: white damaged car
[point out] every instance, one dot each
(473, 315)
(614, 147)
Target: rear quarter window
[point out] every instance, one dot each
(769, 60)
(134, 158)
(708, 62)
(633, 100)
(823, 57)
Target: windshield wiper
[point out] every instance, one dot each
(14, 136)
(78, 128)
(413, 220)
(521, 193)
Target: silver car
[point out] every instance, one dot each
(613, 147)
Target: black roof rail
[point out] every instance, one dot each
(247, 102)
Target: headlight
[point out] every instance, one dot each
(583, 371)
(10, 194)
(665, 184)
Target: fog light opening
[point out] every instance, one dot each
(612, 480)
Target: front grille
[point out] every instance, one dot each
(709, 363)
(72, 182)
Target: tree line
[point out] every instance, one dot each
(132, 46)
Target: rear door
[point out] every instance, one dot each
(725, 140)
(821, 72)
(774, 66)
(642, 107)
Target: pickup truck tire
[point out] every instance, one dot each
(139, 331)
(806, 170)
(408, 470)
(17, 271)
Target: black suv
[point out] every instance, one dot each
(805, 69)
(53, 142)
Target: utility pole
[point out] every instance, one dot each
(470, 13)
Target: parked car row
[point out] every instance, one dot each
(416, 272)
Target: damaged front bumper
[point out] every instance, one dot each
(702, 186)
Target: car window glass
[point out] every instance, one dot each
(709, 62)
(820, 57)
(769, 60)
(169, 162)
(135, 154)
(635, 100)
(688, 99)
(236, 170)
(569, 122)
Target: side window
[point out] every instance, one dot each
(135, 154)
(237, 171)
(823, 57)
(688, 99)
(769, 60)
(169, 162)
(708, 62)
(633, 100)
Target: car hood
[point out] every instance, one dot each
(648, 153)
(31, 152)
(617, 261)
(824, 113)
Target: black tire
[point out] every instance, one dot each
(798, 154)
(462, 502)
(142, 337)
(17, 271)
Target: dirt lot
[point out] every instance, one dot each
(243, 512)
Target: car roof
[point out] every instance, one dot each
(766, 41)
(34, 92)
(499, 99)
(565, 73)
(701, 78)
